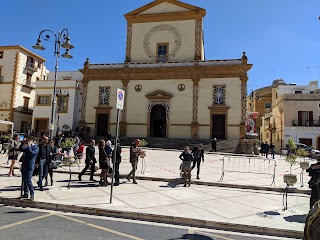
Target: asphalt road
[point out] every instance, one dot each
(30, 224)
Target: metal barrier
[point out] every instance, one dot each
(249, 165)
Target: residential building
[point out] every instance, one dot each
(172, 91)
(68, 102)
(295, 114)
(19, 71)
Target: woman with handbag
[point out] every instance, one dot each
(186, 158)
(13, 154)
(105, 153)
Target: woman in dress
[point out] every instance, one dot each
(104, 160)
(13, 154)
(186, 158)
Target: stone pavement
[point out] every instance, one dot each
(225, 205)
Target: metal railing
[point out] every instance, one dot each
(249, 165)
(306, 123)
(31, 66)
(25, 109)
(29, 83)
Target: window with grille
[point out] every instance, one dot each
(104, 95)
(43, 100)
(219, 95)
(62, 104)
(162, 52)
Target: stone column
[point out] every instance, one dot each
(129, 41)
(195, 97)
(123, 123)
(243, 105)
(198, 40)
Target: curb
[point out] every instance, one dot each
(211, 184)
(154, 218)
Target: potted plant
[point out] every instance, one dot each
(291, 179)
(66, 146)
(302, 153)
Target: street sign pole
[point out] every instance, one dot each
(119, 106)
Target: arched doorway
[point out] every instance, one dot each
(158, 121)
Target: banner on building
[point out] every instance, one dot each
(251, 126)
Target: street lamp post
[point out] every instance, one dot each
(58, 38)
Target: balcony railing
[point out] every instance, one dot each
(314, 123)
(28, 83)
(31, 67)
(24, 109)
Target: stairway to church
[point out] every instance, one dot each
(227, 146)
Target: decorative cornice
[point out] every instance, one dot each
(159, 73)
(159, 95)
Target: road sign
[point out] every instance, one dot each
(120, 99)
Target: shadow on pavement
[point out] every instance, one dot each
(271, 213)
(172, 184)
(193, 237)
(296, 218)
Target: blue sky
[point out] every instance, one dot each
(281, 37)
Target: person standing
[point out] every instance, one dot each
(53, 153)
(135, 151)
(76, 145)
(104, 161)
(262, 149)
(266, 149)
(3, 141)
(214, 145)
(314, 183)
(30, 151)
(43, 160)
(117, 151)
(90, 160)
(13, 154)
(186, 158)
(198, 154)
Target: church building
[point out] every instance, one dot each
(172, 91)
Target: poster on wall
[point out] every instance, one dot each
(251, 126)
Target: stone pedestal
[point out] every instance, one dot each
(194, 129)
(123, 129)
(247, 146)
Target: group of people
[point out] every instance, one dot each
(195, 156)
(266, 149)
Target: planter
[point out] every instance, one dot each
(290, 179)
(6, 146)
(68, 161)
(304, 165)
(284, 152)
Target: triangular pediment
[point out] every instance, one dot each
(165, 7)
(159, 95)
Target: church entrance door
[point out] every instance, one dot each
(158, 121)
(102, 124)
(219, 126)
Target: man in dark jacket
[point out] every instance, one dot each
(30, 151)
(214, 145)
(43, 160)
(117, 151)
(198, 154)
(266, 149)
(90, 160)
(314, 183)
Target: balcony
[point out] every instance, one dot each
(24, 109)
(31, 67)
(314, 123)
(29, 84)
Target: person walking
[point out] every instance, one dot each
(262, 149)
(43, 160)
(186, 158)
(272, 150)
(79, 153)
(3, 141)
(266, 149)
(198, 154)
(104, 160)
(214, 145)
(30, 151)
(117, 151)
(76, 145)
(135, 151)
(13, 154)
(314, 183)
(90, 160)
(53, 153)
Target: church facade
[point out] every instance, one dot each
(171, 90)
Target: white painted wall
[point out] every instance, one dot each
(302, 132)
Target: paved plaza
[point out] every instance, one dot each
(227, 205)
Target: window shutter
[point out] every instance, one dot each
(299, 118)
(310, 118)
